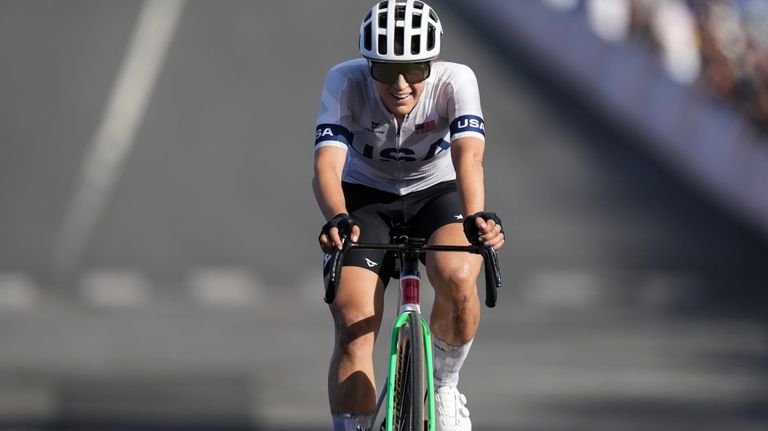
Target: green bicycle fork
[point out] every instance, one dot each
(391, 381)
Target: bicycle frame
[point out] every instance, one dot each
(409, 250)
(389, 386)
(410, 302)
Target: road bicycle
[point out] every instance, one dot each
(409, 389)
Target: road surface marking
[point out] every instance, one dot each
(563, 288)
(224, 287)
(115, 288)
(17, 291)
(115, 134)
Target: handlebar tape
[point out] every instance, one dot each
(492, 275)
(337, 259)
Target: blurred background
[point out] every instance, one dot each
(158, 259)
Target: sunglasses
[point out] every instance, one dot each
(387, 73)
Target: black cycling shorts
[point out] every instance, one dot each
(381, 215)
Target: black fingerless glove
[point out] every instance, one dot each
(341, 221)
(470, 226)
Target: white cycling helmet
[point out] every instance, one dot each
(400, 31)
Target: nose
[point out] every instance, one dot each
(400, 82)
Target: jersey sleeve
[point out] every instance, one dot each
(333, 120)
(465, 114)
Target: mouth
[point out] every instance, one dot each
(400, 98)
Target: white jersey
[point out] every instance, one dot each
(353, 117)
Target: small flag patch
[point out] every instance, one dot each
(426, 127)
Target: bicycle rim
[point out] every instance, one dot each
(410, 392)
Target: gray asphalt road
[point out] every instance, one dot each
(630, 301)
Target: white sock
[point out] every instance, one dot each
(447, 361)
(348, 422)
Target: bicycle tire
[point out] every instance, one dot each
(411, 403)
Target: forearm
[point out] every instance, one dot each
(468, 164)
(326, 184)
(469, 179)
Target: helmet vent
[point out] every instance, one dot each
(400, 13)
(418, 5)
(367, 37)
(399, 38)
(382, 44)
(431, 37)
(415, 44)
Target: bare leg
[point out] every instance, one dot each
(454, 322)
(357, 313)
(456, 312)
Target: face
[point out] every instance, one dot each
(397, 92)
(401, 97)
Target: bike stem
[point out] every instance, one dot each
(410, 279)
(409, 292)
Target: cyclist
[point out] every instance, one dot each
(399, 141)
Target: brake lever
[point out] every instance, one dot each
(492, 274)
(336, 261)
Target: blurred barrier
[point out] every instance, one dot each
(714, 145)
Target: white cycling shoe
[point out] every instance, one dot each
(451, 412)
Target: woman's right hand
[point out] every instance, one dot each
(340, 226)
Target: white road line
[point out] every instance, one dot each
(582, 288)
(224, 287)
(114, 137)
(665, 288)
(563, 288)
(115, 289)
(17, 291)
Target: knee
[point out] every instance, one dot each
(355, 332)
(456, 274)
(456, 284)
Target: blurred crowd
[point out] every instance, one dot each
(719, 44)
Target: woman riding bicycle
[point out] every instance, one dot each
(399, 143)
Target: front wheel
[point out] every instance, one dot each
(410, 404)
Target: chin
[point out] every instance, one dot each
(403, 110)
